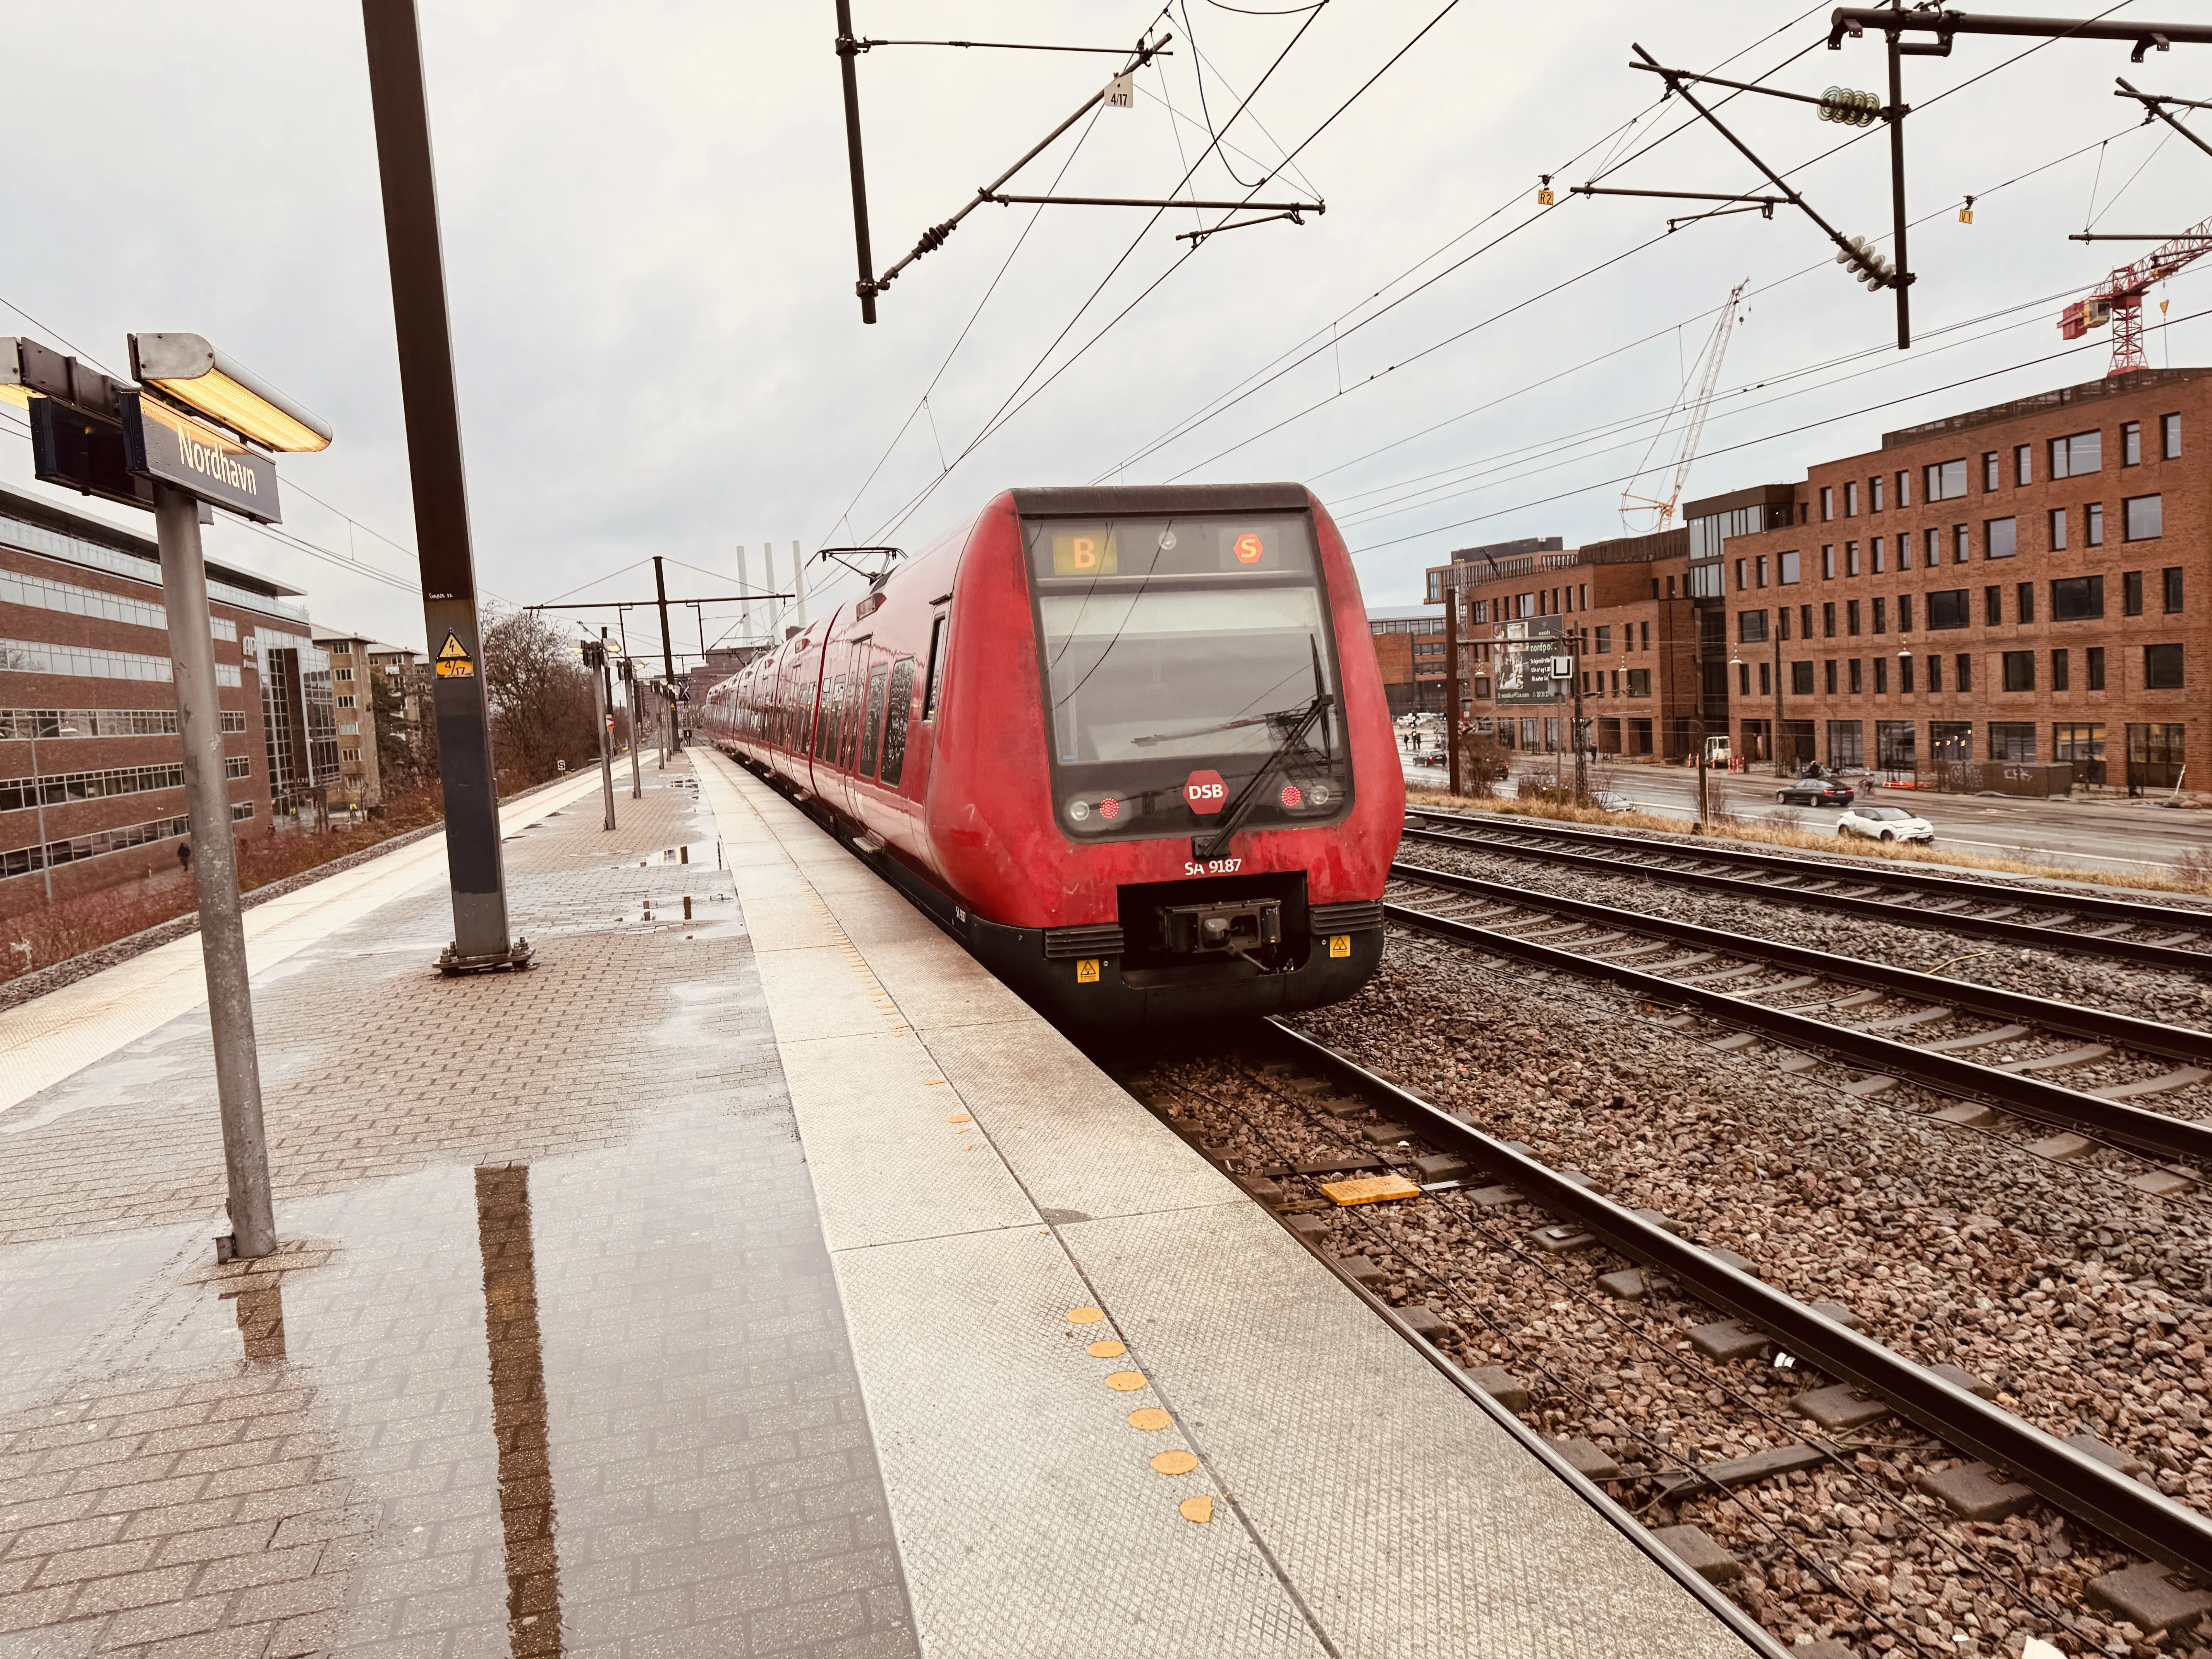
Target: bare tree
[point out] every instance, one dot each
(541, 700)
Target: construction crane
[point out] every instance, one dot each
(1692, 430)
(2118, 298)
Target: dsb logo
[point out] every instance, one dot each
(1206, 792)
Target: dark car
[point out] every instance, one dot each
(1815, 792)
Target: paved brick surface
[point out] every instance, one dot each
(552, 1361)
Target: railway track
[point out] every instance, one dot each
(2121, 930)
(1735, 978)
(1464, 1174)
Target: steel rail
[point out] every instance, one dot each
(2040, 936)
(2123, 1509)
(2113, 1120)
(2151, 1036)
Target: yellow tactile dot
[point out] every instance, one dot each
(1107, 1349)
(1126, 1382)
(960, 1117)
(1085, 1315)
(1199, 1509)
(1149, 1417)
(1175, 1462)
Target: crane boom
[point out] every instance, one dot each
(2118, 298)
(1716, 350)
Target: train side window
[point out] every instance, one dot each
(901, 704)
(873, 719)
(822, 722)
(849, 721)
(934, 683)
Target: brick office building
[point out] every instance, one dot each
(1622, 609)
(2024, 582)
(91, 776)
(1409, 649)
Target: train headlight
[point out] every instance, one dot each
(1320, 795)
(1079, 811)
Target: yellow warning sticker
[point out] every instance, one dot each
(1340, 944)
(1371, 1189)
(1086, 970)
(453, 660)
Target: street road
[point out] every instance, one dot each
(2102, 834)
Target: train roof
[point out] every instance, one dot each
(1149, 500)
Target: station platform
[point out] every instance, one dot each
(766, 1279)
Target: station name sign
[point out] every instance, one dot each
(164, 443)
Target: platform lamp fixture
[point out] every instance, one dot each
(192, 465)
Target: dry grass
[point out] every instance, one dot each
(71, 927)
(2191, 873)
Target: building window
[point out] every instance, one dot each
(1639, 682)
(1934, 539)
(2023, 602)
(1873, 494)
(1905, 613)
(1876, 549)
(1740, 584)
(2161, 668)
(351, 756)
(1647, 636)
(238, 766)
(1788, 563)
(2057, 530)
(2173, 584)
(2141, 518)
(1905, 673)
(1934, 673)
(1805, 621)
(1882, 616)
(1846, 743)
(1704, 581)
(1963, 680)
(1905, 490)
(2076, 599)
(2169, 432)
(1999, 537)
(1605, 639)
(1893, 745)
(2092, 525)
(2019, 671)
(1947, 608)
(241, 810)
(1946, 481)
(1828, 620)
(1743, 679)
(1828, 563)
(1751, 627)
(2077, 456)
(1800, 679)
(1852, 618)
(2131, 597)
(2130, 443)
(1758, 568)
(2023, 463)
(1831, 676)
(1858, 676)
(1782, 623)
(2012, 740)
(2061, 677)
(1765, 680)
(1960, 551)
(1827, 503)
(1992, 606)
(346, 700)
(2095, 664)
(342, 673)
(1992, 478)
(1904, 551)
(1950, 740)
(1882, 676)
(2083, 743)
(1851, 558)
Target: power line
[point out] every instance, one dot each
(1787, 432)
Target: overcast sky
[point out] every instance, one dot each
(649, 252)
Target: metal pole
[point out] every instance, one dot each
(847, 49)
(1703, 800)
(1581, 772)
(215, 873)
(799, 585)
(1781, 765)
(39, 795)
(467, 783)
(598, 667)
(668, 650)
(1904, 281)
(629, 701)
(745, 610)
(1451, 685)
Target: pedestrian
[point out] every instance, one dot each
(184, 855)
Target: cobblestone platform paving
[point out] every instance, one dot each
(552, 1360)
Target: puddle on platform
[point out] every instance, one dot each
(704, 852)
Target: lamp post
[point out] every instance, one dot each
(1781, 765)
(629, 702)
(595, 657)
(189, 463)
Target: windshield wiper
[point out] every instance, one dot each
(1209, 847)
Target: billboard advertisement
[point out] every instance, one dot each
(1522, 653)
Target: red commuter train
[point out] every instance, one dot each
(1129, 745)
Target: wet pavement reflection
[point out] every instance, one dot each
(518, 1409)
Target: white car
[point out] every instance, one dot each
(1884, 823)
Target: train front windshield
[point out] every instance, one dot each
(1182, 655)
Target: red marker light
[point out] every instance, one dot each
(1290, 795)
(1249, 549)
(1110, 808)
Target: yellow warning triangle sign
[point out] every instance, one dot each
(451, 650)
